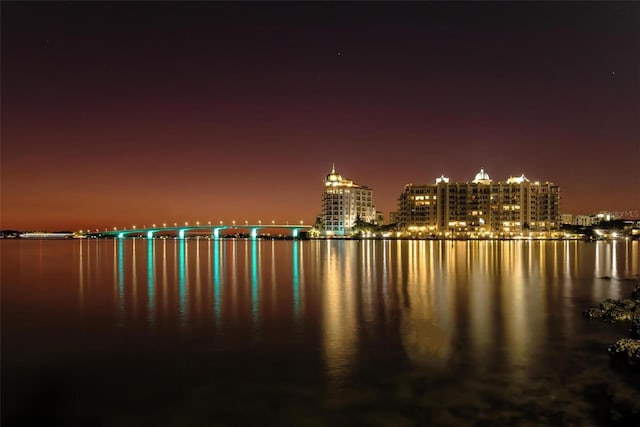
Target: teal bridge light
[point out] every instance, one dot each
(215, 231)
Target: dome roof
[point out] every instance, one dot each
(482, 176)
(442, 178)
(517, 179)
(333, 176)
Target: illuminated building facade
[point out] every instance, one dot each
(343, 201)
(480, 207)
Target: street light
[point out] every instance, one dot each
(198, 223)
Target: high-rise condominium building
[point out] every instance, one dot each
(343, 202)
(481, 206)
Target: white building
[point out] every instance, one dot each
(343, 202)
(593, 219)
(482, 206)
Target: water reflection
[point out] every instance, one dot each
(197, 299)
(182, 281)
(339, 308)
(296, 279)
(80, 279)
(495, 297)
(165, 281)
(120, 282)
(450, 329)
(150, 281)
(425, 342)
(217, 303)
(254, 282)
(134, 281)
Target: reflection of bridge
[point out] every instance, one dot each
(216, 230)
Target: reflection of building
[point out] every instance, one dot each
(343, 202)
(480, 206)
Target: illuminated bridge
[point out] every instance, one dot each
(217, 231)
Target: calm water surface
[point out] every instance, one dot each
(318, 333)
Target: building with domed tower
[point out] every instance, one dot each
(480, 208)
(343, 201)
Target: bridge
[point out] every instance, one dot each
(217, 231)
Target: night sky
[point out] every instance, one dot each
(116, 114)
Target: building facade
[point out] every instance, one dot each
(593, 219)
(480, 207)
(343, 201)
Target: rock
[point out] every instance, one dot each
(617, 314)
(617, 310)
(626, 349)
(593, 313)
(608, 304)
(627, 304)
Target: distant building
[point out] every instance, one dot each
(343, 201)
(393, 217)
(593, 219)
(481, 206)
(567, 219)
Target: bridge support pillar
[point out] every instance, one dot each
(181, 233)
(254, 233)
(149, 234)
(216, 233)
(295, 233)
(120, 235)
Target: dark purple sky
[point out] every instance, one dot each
(116, 114)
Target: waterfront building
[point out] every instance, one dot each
(481, 207)
(343, 201)
(567, 218)
(593, 219)
(393, 217)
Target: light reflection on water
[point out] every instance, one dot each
(479, 313)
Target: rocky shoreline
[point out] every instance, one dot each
(626, 310)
